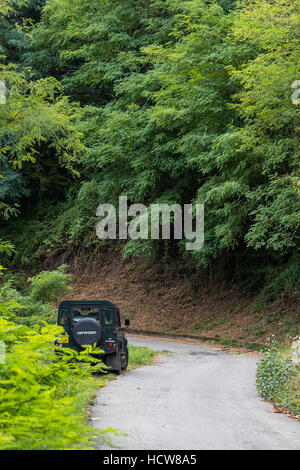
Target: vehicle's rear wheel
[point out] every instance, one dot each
(124, 359)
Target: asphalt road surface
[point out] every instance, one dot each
(193, 398)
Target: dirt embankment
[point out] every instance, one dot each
(160, 303)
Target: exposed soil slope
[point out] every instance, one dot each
(161, 303)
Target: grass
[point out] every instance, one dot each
(85, 389)
(140, 356)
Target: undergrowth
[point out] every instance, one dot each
(278, 377)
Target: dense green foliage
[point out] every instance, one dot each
(48, 286)
(31, 304)
(38, 393)
(180, 101)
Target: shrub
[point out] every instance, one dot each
(29, 307)
(37, 405)
(24, 309)
(277, 376)
(48, 286)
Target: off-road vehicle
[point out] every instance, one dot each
(94, 322)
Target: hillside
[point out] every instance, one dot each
(160, 303)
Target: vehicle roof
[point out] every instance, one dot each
(101, 303)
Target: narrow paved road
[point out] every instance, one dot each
(194, 398)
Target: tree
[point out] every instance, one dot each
(92, 45)
(181, 101)
(34, 113)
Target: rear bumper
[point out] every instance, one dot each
(106, 352)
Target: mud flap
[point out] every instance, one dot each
(114, 361)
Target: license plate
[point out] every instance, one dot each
(63, 339)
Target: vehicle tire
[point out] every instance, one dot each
(87, 331)
(124, 359)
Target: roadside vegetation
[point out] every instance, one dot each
(278, 376)
(140, 356)
(44, 398)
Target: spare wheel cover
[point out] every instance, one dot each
(87, 331)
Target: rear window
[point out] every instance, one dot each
(106, 316)
(81, 312)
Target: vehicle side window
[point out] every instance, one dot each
(62, 318)
(118, 321)
(107, 317)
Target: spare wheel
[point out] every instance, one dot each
(87, 331)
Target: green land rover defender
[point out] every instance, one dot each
(97, 323)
